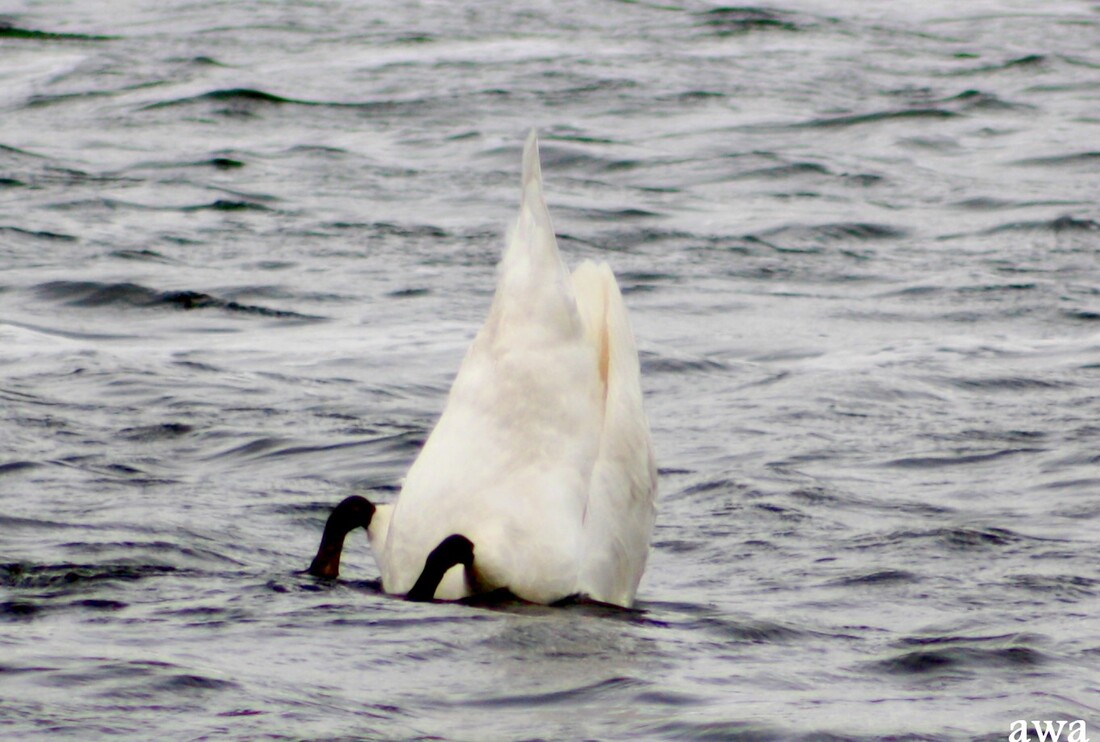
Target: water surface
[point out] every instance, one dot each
(245, 245)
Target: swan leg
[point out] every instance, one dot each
(353, 512)
(455, 549)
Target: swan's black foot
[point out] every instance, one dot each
(452, 550)
(353, 512)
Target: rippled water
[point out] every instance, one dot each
(244, 246)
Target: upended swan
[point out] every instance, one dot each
(539, 477)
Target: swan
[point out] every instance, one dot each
(539, 477)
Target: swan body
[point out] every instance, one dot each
(542, 457)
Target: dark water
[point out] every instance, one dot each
(243, 248)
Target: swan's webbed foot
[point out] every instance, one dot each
(454, 549)
(351, 513)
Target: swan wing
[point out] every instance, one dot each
(510, 461)
(621, 507)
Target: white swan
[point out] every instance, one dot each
(539, 476)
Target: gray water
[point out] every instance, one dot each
(244, 245)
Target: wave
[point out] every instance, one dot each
(96, 294)
(231, 95)
(959, 538)
(987, 203)
(69, 575)
(810, 238)
(9, 467)
(242, 101)
(556, 157)
(954, 659)
(39, 234)
(878, 577)
(1065, 588)
(788, 170)
(1027, 61)
(1089, 159)
(937, 462)
(1066, 225)
(653, 363)
(581, 693)
(979, 100)
(730, 21)
(832, 122)
(1059, 225)
(9, 31)
(937, 655)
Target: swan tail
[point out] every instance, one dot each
(621, 507)
(532, 280)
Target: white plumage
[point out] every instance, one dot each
(542, 457)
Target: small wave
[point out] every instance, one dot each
(227, 204)
(9, 31)
(299, 450)
(736, 730)
(257, 447)
(978, 100)
(140, 680)
(610, 215)
(1074, 159)
(1003, 383)
(95, 294)
(40, 234)
(392, 229)
(116, 204)
(230, 95)
(582, 693)
(163, 431)
(960, 538)
(746, 632)
(639, 235)
(1062, 224)
(987, 203)
(878, 577)
(11, 467)
(1026, 61)
(15, 154)
(955, 658)
(192, 685)
(788, 170)
(812, 238)
(1059, 587)
(556, 157)
(49, 587)
(832, 122)
(143, 255)
(1081, 315)
(730, 21)
(936, 462)
(19, 610)
(43, 100)
(653, 363)
(218, 163)
(706, 487)
(243, 102)
(157, 552)
(40, 576)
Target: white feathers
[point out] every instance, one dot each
(542, 456)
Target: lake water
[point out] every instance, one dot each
(243, 247)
